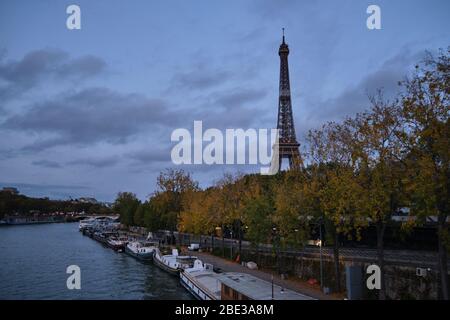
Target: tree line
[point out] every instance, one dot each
(358, 172)
(26, 206)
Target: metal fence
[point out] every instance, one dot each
(411, 258)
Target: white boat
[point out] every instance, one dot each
(141, 250)
(201, 281)
(86, 223)
(173, 263)
(104, 223)
(117, 243)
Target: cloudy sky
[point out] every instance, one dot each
(90, 112)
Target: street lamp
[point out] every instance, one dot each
(321, 263)
(275, 245)
(231, 245)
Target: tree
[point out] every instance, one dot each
(167, 201)
(200, 214)
(229, 204)
(425, 112)
(257, 210)
(126, 205)
(379, 153)
(138, 217)
(290, 220)
(334, 185)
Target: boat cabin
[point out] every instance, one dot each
(243, 286)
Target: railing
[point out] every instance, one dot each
(361, 255)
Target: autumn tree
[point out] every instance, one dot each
(425, 113)
(167, 201)
(333, 184)
(379, 154)
(257, 211)
(290, 220)
(229, 203)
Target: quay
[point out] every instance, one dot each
(204, 275)
(296, 286)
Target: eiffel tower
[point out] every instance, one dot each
(287, 146)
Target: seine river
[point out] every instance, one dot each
(34, 258)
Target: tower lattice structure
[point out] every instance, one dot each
(288, 147)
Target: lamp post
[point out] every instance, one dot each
(216, 232)
(275, 241)
(231, 245)
(272, 287)
(320, 250)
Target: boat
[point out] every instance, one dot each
(100, 237)
(173, 263)
(103, 222)
(86, 223)
(142, 250)
(244, 286)
(117, 243)
(201, 281)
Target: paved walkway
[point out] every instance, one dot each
(295, 285)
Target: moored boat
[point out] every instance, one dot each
(142, 250)
(201, 281)
(100, 237)
(117, 243)
(173, 263)
(101, 222)
(86, 224)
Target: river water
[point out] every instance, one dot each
(34, 259)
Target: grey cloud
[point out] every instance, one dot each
(151, 155)
(95, 162)
(90, 116)
(355, 99)
(238, 97)
(200, 78)
(46, 164)
(18, 76)
(83, 67)
(235, 108)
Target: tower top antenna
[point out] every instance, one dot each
(283, 35)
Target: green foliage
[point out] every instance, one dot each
(126, 205)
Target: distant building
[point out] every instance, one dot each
(88, 200)
(11, 190)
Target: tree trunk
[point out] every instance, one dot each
(381, 227)
(337, 269)
(258, 255)
(240, 236)
(442, 260)
(223, 242)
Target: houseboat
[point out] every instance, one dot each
(243, 286)
(100, 236)
(142, 250)
(117, 243)
(201, 281)
(173, 263)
